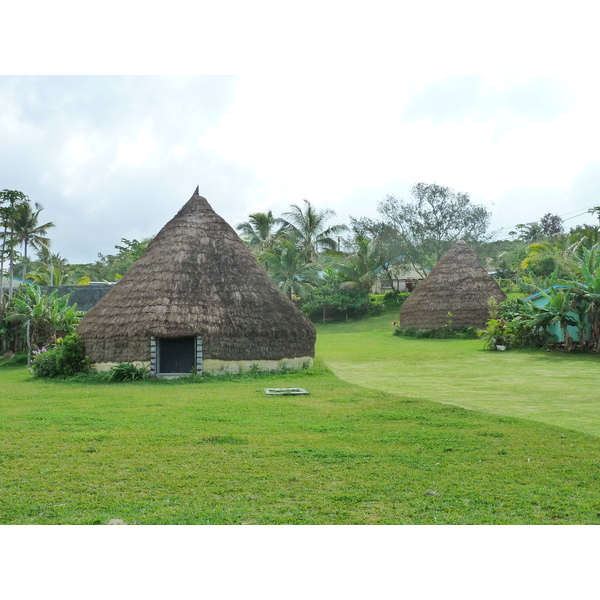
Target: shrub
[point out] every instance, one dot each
(396, 297)
(439, 333)
(128, 372)
(71, 358)
(495, 334)
(376, 305)
(44, 363)
(14, 360)
(65, 359)
(334, 301)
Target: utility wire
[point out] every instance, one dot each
(561, 216)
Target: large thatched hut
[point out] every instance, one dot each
(457, 284)
(197, 301)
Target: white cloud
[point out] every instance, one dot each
(117, 157)
(136, 150)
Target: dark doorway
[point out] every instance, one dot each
(177, 355)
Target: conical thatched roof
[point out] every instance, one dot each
(457, 284)
(197, 278)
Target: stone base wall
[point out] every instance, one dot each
(107, 366)
(222, 367)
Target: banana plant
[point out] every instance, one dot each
(50, 315)
(586, 289)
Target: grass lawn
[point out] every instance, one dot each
(225, 453)
(550, 387)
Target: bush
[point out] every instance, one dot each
(396, 297)
(14, 361)
(128, 372)
(44, 363)
(439, 333)
(332, 301)
(376, 305)
(65, 359)
(71, 358)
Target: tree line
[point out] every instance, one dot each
(327, 268)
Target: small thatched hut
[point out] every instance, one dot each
(457, 284)
(197, 301)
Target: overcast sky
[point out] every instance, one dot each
(338, 103)
(113, 157)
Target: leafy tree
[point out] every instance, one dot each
(335, 296)
(307, 226)
(552, 225)
(435, 219)
(528, 232)
(596, 212)
(111, 267)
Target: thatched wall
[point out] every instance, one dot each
(457, 284)
(197, 278)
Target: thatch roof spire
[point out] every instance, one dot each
(196, 203)
(457, 284)
(197, 278)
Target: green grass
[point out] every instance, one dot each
(367, 446)
(550, 387)
(222, 452)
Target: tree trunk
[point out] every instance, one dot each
(568, 343)
(24, 276)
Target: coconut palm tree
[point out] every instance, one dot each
(551, 254)
(288, 269)
(307, 226)
(361, 266)
(260, 232)
(52, 269)
(10, 200)
(28, 231)
(528, 232)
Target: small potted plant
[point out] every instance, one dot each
(495, 335)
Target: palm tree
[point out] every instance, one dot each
(556, 253)
(52, 269)
(308, 227)
(362, 266)
(259, 232)
(27, 230)
(528, 232)
(288, 269)
(10, 200)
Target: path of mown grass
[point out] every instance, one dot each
(224, 453)
(550, 387)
